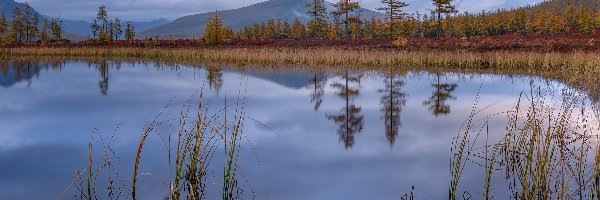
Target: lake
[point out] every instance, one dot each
(307, 134)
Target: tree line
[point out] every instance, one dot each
(25, 26)
(105, 30)
(444, 20)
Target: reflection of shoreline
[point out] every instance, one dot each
(14, 72)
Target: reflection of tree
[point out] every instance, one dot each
(103, 84)
(392, 101)
(15, 71)
(214, 75)
(317, 87)
(350, 121)
(437, 102)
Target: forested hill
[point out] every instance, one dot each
(193, 25)
(559, 6)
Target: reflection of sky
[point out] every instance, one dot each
(45, 128)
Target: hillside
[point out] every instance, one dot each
(193, 25)
(560, 5)
(75, 30)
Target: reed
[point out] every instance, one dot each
(197, 143)
(328, 56)
(545, 152)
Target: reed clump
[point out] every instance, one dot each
(548, 151)
(199, 137)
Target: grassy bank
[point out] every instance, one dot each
(330, 56)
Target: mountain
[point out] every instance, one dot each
(7, 7)
(193, 25)
(82, 28)
(559, 6)
(75, 30)
(144, 26)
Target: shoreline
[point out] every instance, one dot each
(578, 69)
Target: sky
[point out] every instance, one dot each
(145, 10)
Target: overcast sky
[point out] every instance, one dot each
(144, 10)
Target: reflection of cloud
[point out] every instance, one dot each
(300, 154)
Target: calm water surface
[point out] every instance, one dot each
(334, 135)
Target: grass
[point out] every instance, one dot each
(547, 151)
(199, 138)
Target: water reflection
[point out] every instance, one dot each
(392, 102)
(350, 121)
(214, 76)
(299, 153)
(13, 72)
(317, 89)
(103, 84)
(437, 103)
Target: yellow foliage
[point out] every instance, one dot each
(401, 42)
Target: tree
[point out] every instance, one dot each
(347, 8)
(103, 37)
(45, 33)
(286, 30)
(442, 7)
(118, 29)
(55, 28)
(212, 32)
(298, 30)
(318, 24)
(272, 30)
(31, 22)
(95, 28)
(17, 25)
(129, 32)
(102, 18)
(393, 14)
(101, 24)
(3, 26)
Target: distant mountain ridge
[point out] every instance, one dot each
(193, 25)
(74, 29)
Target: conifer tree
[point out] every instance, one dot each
(102, 18)
(298, 30)
(212, 32)
(45, 35)
(17, 25)
(130, 32)
(95, 28)
(56, 28)
(278, 29)
(346, 9)
(442, 7)
(286, 29)
(118, 30)
(31, 21)
(317, 27)
(394, 15)
(3, 26)
(103, 37)
(271, 29)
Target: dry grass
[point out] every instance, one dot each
(549, 150)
